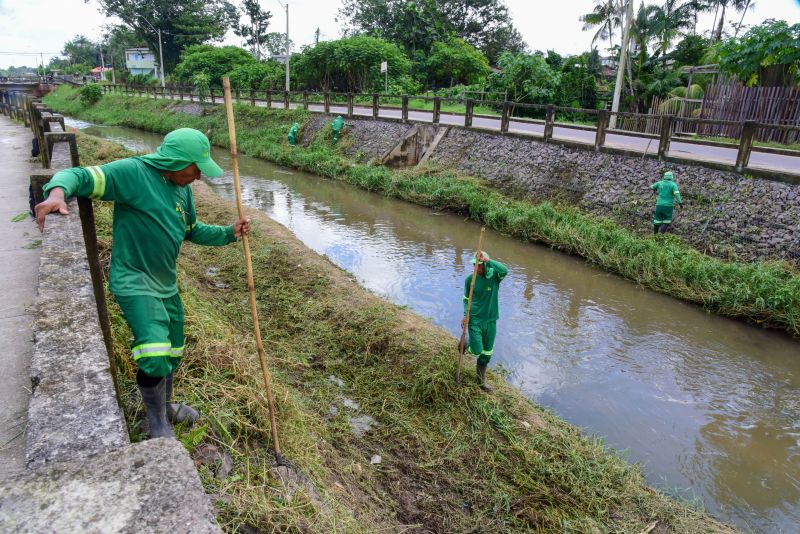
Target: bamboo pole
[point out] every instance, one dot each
(226, 83)
(461, 344)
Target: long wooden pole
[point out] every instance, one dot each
(226, 84)
(461, 343)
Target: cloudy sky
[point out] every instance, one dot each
(29, 28)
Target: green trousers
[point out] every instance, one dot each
(663, 215)
(481, 339)
(157, 326)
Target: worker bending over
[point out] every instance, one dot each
(154, 214)
(484, 312)
(667, 191)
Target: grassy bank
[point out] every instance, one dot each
(767, 293)
(453, 459)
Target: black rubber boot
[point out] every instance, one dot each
(655, 228)
(481, 370)
(155, 403)
(663, 228)
(176, 412)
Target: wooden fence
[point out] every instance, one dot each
(735, 102)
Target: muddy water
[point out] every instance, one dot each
(710, 407)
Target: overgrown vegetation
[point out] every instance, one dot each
(452, 458)
(765, 292)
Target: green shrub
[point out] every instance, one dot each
(91, 94)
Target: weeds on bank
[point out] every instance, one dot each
(766, 293)
(454, 459)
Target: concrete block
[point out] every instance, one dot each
(73, 411)
(147, 487)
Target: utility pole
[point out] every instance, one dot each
(286, 7)
(623, 53)
(102, 65)
(160, 53)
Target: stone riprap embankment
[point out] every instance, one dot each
(364, 139)
(724, 213)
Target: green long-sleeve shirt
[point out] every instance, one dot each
(484, 296)
(152, 218)
(667, 193)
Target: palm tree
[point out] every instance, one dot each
(736, 5)
(670, 19)
(606, 16)
(698, 6)
(643, 31)
(749, 4)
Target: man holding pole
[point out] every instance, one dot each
(481, 310)
(153, 214)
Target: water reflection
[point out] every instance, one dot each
(705, 404)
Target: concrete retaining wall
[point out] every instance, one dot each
(83, 473)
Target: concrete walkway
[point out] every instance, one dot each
(19, 257)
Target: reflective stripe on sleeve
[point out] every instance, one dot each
(177, 351)
(99, 179)
(149, 350)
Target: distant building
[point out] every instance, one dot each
(141, 61)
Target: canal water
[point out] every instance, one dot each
(708, 406)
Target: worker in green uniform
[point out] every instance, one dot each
(484, 312)
(154, 214)
(667, 191)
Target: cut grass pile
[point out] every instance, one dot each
(453, 459)
(766, 293)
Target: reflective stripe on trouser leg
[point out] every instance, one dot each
(157, 326)
(663, 215)
(481, 340)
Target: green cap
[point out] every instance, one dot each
(669, 176)
(181, 148)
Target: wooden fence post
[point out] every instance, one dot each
(326, 102)
(505, 118)
(437, 109)
(549, 119)
(666, 133)
(468, 113)
(305, 100)
(286, 100)
(238, 95)
(349, 105)
(404, 112)
(211, 90)
(602, 124)
(252, 97)
(746, 145)
(375, 105)
(269, 99)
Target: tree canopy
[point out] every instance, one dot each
(454, 62)
(215, 62)
(182, 22)
(418, 24)
(768, 53)
(525, 78)
(350, 65)
(254, 30)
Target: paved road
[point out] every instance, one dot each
(691, 151)
(19, 255)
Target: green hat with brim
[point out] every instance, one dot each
(475, 257)
(181, 148)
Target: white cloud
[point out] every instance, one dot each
(34, 26)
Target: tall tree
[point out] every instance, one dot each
(275, 43)
(722, 5)
(80, 50)
(417, 24)
(182, 22)
(606, 17)
(254, 31)
(669, 20)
